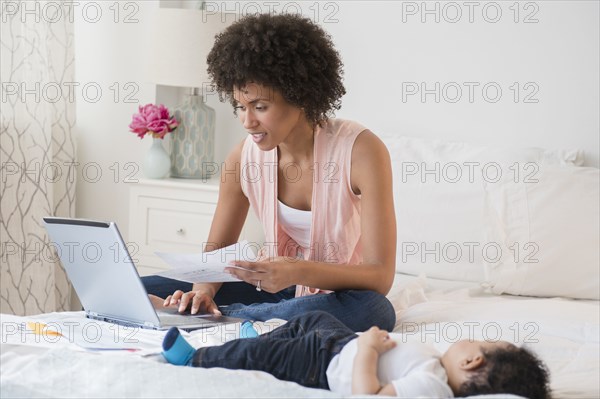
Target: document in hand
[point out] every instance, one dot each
(207, 267)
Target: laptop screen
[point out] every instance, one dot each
(101, 270)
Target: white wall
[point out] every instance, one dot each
(109, 52)
(558, 56)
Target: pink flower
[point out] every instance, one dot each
(153, 119)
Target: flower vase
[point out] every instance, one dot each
(157, 162)
(192, 150)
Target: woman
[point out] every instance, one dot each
(321, 187)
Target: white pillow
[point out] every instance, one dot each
(548, 233)
(440, 219)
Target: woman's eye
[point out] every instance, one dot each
(242, 108)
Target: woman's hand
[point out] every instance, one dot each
(376, 339)
(198, 300)
(274, 274)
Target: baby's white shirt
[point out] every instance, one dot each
(413, 368)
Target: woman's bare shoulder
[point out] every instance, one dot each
(235, 154)
(233, 163)
(368, 148)
(370, 157)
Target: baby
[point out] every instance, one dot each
(318, 351)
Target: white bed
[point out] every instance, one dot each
(567, 332)
(557, 215)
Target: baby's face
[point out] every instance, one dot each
(466, 356)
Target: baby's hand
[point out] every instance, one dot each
(376, 339)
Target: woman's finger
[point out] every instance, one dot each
(176, 296)
(239, 275)
(203, 301)
(248, 267)
(196, 302)
(185, 300)
(252, 266)
(247, 276)
(213, 308)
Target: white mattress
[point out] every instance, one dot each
(566, 334)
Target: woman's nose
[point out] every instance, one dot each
(248, 120)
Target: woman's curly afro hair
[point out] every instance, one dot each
(287, 53)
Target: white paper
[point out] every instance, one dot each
(207, 267)
(78, 332)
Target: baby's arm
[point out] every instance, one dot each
(371, 345)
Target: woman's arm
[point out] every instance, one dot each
(227, 224)
(232, 205)
(371, 345)
(371, 177)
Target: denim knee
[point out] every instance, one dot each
(316, 318)
(373, 309)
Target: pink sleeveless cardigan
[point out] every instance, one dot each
(335, 229)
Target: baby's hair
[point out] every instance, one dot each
(509, 370)
(286, 52)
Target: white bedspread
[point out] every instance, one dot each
(565, 333)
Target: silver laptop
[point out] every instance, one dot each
(106, 280)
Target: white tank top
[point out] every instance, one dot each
(296, 223)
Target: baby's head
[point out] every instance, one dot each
(480, 367)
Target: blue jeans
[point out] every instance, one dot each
(299, 351)
(358, 310)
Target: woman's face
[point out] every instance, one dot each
(266, 115)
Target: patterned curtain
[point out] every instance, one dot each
(37, 150)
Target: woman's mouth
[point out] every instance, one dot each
(258, 137)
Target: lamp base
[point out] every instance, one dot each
(192, 149)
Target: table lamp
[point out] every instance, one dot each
(180, 42)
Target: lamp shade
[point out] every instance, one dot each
(179, 42)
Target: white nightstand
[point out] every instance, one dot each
(174, 215)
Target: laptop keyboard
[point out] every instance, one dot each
(178, 320)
